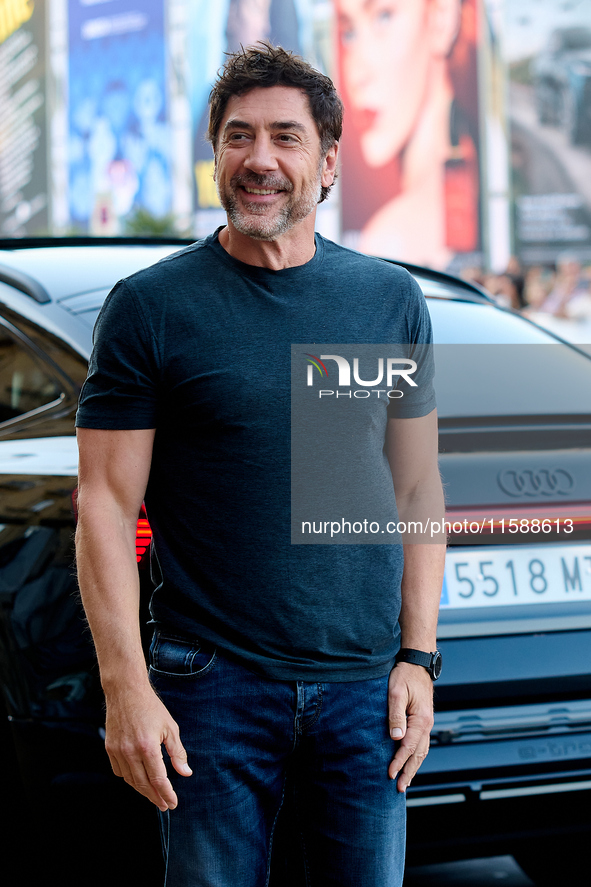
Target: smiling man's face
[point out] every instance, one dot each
(268, 164)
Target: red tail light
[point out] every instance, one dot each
(513, 522)
(143, 535)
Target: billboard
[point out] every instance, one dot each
(119, 139)
(23, 130)
(408, 76)
(548, 50)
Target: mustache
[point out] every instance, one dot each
(252, 180)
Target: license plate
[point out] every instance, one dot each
(514, 575)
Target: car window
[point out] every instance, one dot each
(444, 289)
(25, 385)
(461, 323)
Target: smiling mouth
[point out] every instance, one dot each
(263, 191)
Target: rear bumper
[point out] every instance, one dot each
(483, 798)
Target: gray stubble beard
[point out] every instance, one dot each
(261, 228)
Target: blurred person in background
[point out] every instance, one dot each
(516, 278)
(410, 128)
(539, 280)
(508, 288)
(503, 289)
(570, 296)
(473, 274)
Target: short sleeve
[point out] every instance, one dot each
(418, 399)
(120, 391)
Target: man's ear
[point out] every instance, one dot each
(329, 165)
(443, 23)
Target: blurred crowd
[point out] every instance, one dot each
(561, 290)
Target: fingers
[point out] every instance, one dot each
(149, 779)
(178, 755)
(135, 734)
(115, 765)
(411, 753)
(144, 770)
(410, 716)
(397, 704)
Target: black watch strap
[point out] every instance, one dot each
(430, 661)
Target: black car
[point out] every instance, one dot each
(510, 765)
(562, 83)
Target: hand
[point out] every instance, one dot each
(137, 726)
(410, 717)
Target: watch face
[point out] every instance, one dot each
(436, 665)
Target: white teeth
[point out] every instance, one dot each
(258, 191)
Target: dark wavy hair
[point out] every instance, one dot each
(265, 65)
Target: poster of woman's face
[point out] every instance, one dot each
(410, 174)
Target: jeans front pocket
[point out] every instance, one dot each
(183, 657)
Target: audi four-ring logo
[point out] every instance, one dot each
(542, 482)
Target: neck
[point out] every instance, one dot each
(296, 247)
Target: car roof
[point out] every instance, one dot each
(61, 284)
(60, 265)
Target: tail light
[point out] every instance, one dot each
(511, 523)
(143, 536)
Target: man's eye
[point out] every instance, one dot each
(285, 137)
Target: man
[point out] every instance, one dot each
(267, 657)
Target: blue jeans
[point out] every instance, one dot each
(244, 734)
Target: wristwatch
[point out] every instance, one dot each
(430, 661)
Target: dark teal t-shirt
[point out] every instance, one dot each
(199, 346)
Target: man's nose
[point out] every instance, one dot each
(261, 157)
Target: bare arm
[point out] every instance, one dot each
(411, 447)
(113, 473)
